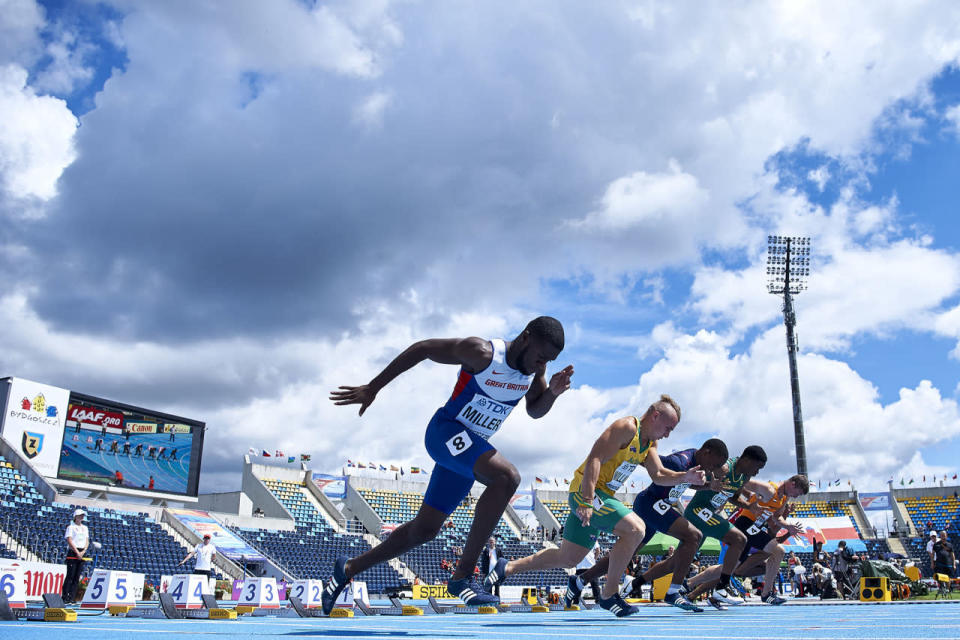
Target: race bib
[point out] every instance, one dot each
(620, 475)
(483, 415)
(676, 492)
(597, 503)
(754, 529)
(661, 506)
(704, 514)
(459, 443)
(719, 499)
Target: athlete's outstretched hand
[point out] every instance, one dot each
(584, 513)
(793, 529)
(560, 381)
(695, 475)
(362, 395)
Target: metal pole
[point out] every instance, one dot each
(790, 320)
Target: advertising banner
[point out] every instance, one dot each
(424, 591)
(139, 426)
(95, 417)
(40, 577)
(875, 501)
(829, 531)
(33, 422)
(176, 428)
(522, 501)
(224, 540)
(334, 487)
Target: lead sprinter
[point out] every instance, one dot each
(494, 375)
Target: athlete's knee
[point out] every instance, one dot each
(691, 535)
(737, 539)
(778, 551)
(424, 530)
(633, 530)
(506, 477)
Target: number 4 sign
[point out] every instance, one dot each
(308, 591)
(13, 586)
(107, 588)
(260, 592)
(187, 591)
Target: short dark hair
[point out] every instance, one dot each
(548, 329)
(717, 446)
(755, 452)
(800, 481)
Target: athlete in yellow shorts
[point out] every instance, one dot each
(620, 449)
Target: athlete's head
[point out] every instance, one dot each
(752, 460)
(660, 418)
(711, 455)
(540, 342)
(796, 486)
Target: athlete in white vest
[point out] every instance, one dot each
(494, 376)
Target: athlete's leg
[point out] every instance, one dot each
(445, 491)
(501, 479)
(598, 570)
(735, 541)
(567, 556)
(690, 539)
(630, 531)
(753, 562)
(423, 528)
(776, 551)
(710, 574)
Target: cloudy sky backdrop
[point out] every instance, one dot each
(225, 210)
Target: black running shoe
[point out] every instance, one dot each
(335, 585)
(497, 575)
(677, 599)
(574, 589)
(616, 605)
(471, 592)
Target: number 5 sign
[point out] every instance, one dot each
(260, 592)
(13, 586)
(107, 588)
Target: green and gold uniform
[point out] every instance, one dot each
(607, 510)
(706, 509)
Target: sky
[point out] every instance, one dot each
(226, 210)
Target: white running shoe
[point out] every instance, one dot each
(723, 596)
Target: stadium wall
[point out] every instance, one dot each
(249, 522)
(925, 492)
(262, 497)
(362, 510)
(329, 509)
(235, 502)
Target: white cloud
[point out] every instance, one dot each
(67, 69)
(19, 30)
(369, 112)
(36, 140)
(952, 116)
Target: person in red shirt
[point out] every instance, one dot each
(151, 483)
(118, 478)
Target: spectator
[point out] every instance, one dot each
(945, 561)
(553, 534)
(798, 576)
(588, 561)
(488, 559)
(150, 486)
(205, 553)
(78, 539)
(817, 547)
(98, 445)
(931, 540)
(118, 478)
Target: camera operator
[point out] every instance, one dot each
(78, 539)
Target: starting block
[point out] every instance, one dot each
(438, 608)
(308, 592)
(259, 593)
(59, 615)
(303, 612)
(187, 590)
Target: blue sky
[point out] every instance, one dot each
(225, 213)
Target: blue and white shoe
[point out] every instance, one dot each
(471, 592)
(678, 600)
(335, 585)
(716, 604)
(616, 605)
(737, 585)
(574, 590)
(497, 575)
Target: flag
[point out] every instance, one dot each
(291, 459)
(349, 463)
(252, 451)
(414, 469)
(264, 453)
(837, 482)
(372, 465)
(305, 457)
(924, 477)
(555, 482)
(394, 467)
(539, 479)
(901, 481)
(278, 453)
(360, 465)
(954, 476)
(401, 470)
(382, 468)
(911, 481)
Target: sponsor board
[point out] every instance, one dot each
(94, 417)
(140, 426)
(170, 427)
(875, 501)
(334, 487)
(39, 577)
(33, 422)
(522, 501)
(424, 591)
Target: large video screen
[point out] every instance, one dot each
(110, 444)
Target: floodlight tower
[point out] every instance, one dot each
(788, 267)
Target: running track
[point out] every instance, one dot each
(804, 621)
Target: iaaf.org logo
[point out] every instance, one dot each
(36, 410)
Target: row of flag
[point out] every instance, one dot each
(304, 457)
(379, 467)
(933, 478)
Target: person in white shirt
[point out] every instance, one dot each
(588, 561)
(932, 540)
(78, 539)
(205, 553)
